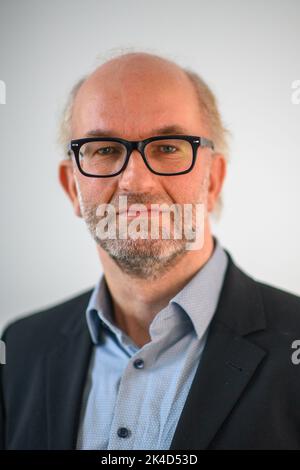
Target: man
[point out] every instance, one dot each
(174, 348)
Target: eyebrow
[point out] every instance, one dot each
(170, 129)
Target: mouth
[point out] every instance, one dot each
(143, 212)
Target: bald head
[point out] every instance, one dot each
(140, 64)
(137, 70)
(133, 94)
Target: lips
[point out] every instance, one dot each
(134, 213)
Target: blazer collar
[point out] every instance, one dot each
(240, 305)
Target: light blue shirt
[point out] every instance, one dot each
(134, 395)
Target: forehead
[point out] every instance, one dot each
(134, 102)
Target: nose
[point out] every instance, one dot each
(136, 177)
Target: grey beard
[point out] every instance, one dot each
(141, 258)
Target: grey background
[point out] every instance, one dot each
(248, 52)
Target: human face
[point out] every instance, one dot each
(136, 100)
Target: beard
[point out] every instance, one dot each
(143, 257)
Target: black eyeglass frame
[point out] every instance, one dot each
(195, 141)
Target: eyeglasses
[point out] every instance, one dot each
(102, 157)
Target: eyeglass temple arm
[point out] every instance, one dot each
(206, 143)
(69, 149)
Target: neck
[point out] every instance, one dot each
(136, 301)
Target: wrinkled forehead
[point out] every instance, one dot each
(132, 101)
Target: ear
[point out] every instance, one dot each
(67, 180)
(217, 176)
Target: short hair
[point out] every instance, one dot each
(207, 103)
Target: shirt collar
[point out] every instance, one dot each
(98, 312)
(198, 299)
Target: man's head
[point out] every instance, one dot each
(135, 96)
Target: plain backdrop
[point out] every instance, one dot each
(247, 51)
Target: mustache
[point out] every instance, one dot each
(92, 214)
(145, 199)
(141, 198)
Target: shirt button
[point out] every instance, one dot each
(123, 432)
(139, 363)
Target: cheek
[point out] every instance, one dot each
(184, 188)
(96, 190)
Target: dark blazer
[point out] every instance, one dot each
(245, 394)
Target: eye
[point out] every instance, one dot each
(170, 148)
(105, 150)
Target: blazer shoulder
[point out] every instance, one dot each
(282, 307)
(250, 304)
(41, 325)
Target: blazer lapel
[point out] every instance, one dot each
(67, 367)
(228, 362)
(227, 365)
